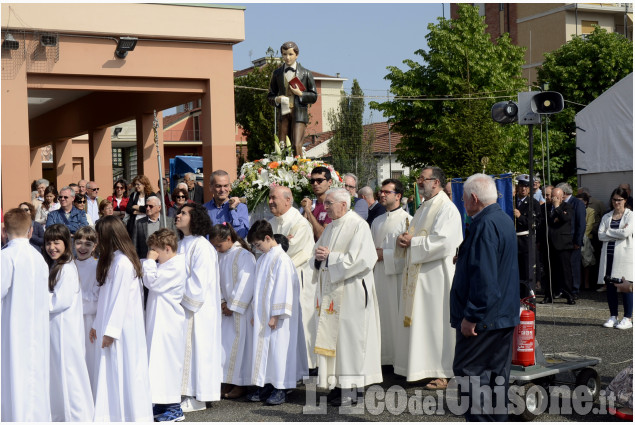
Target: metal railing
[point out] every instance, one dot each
(181, 135)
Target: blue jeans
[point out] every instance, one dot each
(627, 299)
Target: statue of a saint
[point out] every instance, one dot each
(292, 101)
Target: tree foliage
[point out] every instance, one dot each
(582, 69)
(453, 127)
(253, 113)
(350, 147)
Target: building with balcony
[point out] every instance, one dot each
(544, 27)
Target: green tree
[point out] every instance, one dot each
(582, 69)
(253, 113)
(351, 148)
(461, 71)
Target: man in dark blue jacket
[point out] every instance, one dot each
(67, 214)
(484, 302)
(578, 226)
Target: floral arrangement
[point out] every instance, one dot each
(279, 168)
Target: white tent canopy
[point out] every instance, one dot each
(605, 131)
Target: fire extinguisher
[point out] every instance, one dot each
(525, 336)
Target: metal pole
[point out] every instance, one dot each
(531, 219)
(155, 127)
(548, 163)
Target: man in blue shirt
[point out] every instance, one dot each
(67, 214)
(222, 208)
(484, 302)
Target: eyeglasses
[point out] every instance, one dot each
(329, 203)
(63, 197)
(180, 197)
(348, 186)
(80, 202)
(150, 206)
(618, 199)
(429, 178)
(119, 187)
(386, 192)
(318, 180)
(93, 188)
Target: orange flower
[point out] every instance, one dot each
(257, 160)
(294, 168)
(273, 165)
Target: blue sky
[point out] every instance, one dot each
(358, 40)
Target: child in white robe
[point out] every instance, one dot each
(25, 332)
(202, 366)
(279, 352)
(165, 321)
(71, 397)
(237, 269)
(122, 385)
(85, 240)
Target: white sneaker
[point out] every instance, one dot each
(625, 323)
(611, 322)
(190, 404)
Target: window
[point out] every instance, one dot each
(587, 26)
(396, 174)
(117, 160)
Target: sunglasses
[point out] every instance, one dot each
(119, 187)
(63, 197)
(180, 197)
(95, 189)
(80, 202)
(317, 180)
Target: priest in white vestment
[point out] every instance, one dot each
(279, 354)
(25, 325)
(289, 222)
(165, 318)
(425, 342)
(71, 394)
(348, 340)
(388, 271)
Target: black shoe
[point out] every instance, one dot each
(347, 400)
(575, 296)
(333, 394)
(261, 394)
(546, 300)
(313, 372)
(571, 301)
(558, 295)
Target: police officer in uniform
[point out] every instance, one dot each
(521, 218)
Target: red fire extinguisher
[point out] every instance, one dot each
(524, 336)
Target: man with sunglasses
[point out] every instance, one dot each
(67, 214)
(92, 200)
(316, 214)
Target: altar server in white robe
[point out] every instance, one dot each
(389, 269)
(348, 342)
(279, 353)
(202, 366)
(425, 347)
(71, 396)
(122, 384)
(25, 325)
(85, 240)
(289, 222)
(237, 272)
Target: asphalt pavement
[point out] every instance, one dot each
(561, 330)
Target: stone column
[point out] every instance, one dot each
(16, 151)
(101, 160)
(63, 163)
